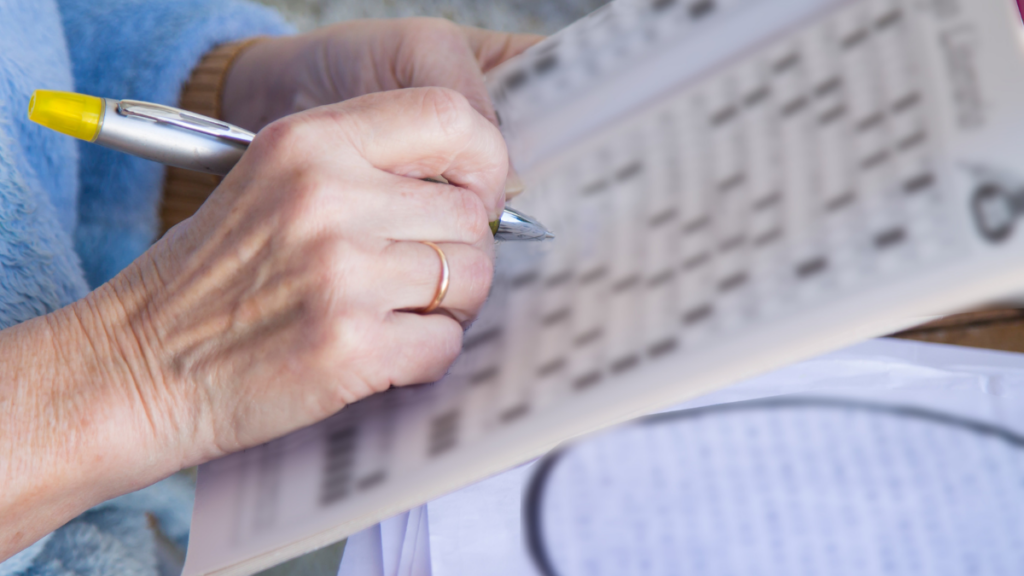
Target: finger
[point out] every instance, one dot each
(399, 208)
(450, 63)
(413, 274)
(422, 348)
(418, 132)
(513, 184)
(491, 48)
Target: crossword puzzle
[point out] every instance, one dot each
(726, 180)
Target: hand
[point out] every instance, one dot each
(284, 298)
(278, 76)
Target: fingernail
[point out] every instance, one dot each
(513, 185)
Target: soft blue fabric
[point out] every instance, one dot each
(39, 271)
(148, 57)
(115, 538)
(72, 216)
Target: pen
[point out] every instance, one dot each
(180, 138)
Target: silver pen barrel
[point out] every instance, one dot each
(167, 143)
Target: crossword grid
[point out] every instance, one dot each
(693, 222)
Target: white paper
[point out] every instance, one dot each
(364, 554)
(735, 185)
(479, 526)
(482, 524)
(398, 546)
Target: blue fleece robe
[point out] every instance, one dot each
(72, 214)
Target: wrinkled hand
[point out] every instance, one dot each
(278, 76)
(286, 296)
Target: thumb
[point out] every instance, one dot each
(458, 58)
(492, 48)
(441, 56)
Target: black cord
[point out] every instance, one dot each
(533, 499)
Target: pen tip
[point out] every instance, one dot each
(549, 236)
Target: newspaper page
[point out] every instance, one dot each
(735, 185)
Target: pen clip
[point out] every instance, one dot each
(184, 119)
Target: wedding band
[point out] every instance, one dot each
(442, 286)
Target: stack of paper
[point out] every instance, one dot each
(398, 546)
(944, 501)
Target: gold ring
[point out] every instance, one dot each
(442, 286)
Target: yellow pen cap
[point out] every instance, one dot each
(69, 113)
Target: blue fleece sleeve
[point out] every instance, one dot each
(145, 50)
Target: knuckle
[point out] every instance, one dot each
(479, 277)
(306, 185)
(450, 109)
(449, 346)
(304, 199)
(434, 32)
(333, 258)
(282, 135)
(352, 352)
(471, 217)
